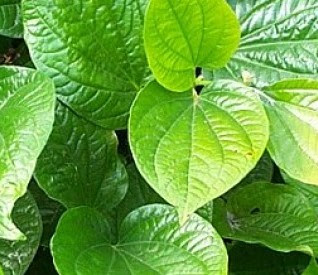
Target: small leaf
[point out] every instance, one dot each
(192, 148)
(27, 106)
(275, 215)
(80, 165)
(151, 241)
(246, 259)
(293, 116)
(15, 257)
(183, 35)
(93, 50)
(11, 18)
(279, 40)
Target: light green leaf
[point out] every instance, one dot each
(192, 148)
(11, 18)
(246, 259)
(15, 257)
(312, 268)
(93, 51)
(80, 165)
(279, 40)
(27, 114)
(183, 35)
(293, 116)
(275, 215)
(151, 241)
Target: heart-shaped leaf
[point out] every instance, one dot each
(80, 165)
(192, 148)
(279, 40)
(27, 113)
(11, 18)
(275, 215)
(93, 51)
(151, 241)
(293, 116)
(183, 35)
(15, 257)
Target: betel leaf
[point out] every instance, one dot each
(15, 257)
(275, 215)
(11, 18)
(27, 114)
(93, 51)
(192, 148)
(293, 115)
(279, 40)
(79, 165)
(151, 241)
(183, 35)
(246, 259)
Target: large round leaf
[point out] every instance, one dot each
(279, 40)
(11, 18)
(15, 257)
(151, 241)
(275, 215)
(26, 119)
(192, 148)
(183, 35)
(80, 165)
(93, 51)
(293, 115)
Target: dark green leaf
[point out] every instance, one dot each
(16, 256)
(27, 112)
(11, 18)
(151, 242)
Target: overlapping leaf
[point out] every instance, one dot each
(192, 148)
(15, 257)
(93, 51)
(79, 165)
(279, 40)
(183, 35)
(11, 18)
(293, 116)
(151, 241)
(275, 215)
(27, 113)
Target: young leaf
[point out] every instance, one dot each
(11, 18)
(151, 241)
(293, 116)
(192, 148)
(79, 165)
(27, 114)
(183, 35)
(275, 215)
(279, 40)
(93, 51)
(15, 257)
(246, 259)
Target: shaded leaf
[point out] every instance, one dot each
(11, 18)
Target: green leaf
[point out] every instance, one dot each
(50, 211)
(11, 18)
(15, 257)
(93, 51)
(275, 215)
(246, 259)
(183, 35)
(192, 148)
(27, 104)
(206, 211)
(312, 269)
(279, 40)
(80, 165)
(151, 241)
(293, 116)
